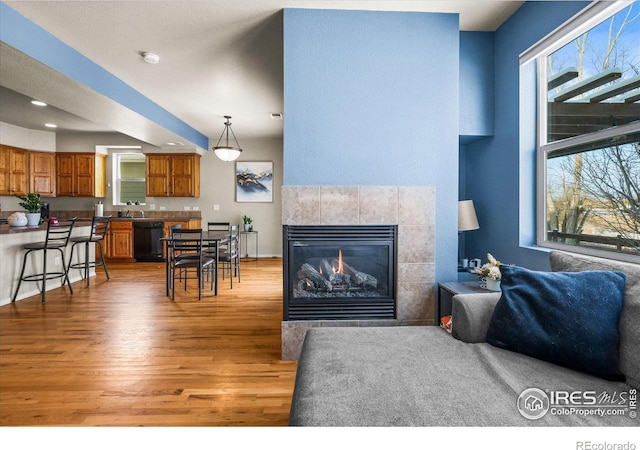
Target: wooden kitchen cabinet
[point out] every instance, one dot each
(118, 242)
(14, 170)
(172, 175)
(81, 175)
(42, 173)
(157, 176)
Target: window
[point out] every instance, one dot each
(589, 135)
(129, 182)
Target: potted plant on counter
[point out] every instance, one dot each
(32, 203)
(247, 223)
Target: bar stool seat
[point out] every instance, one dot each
(99, 228)
(57, 238)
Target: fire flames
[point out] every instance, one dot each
(340, 265)
(340, 268)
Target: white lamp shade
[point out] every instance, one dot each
(467, 219)
(227, 153)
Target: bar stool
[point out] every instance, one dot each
(57, 239)
(99, 228)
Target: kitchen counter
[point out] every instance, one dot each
(8, 229)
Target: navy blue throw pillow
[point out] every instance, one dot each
(566, 318)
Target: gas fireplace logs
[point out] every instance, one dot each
(334, 276)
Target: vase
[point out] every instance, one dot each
(17, 219)
(33, 219)
(493, 285)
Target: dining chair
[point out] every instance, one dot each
(57, 238)
(229, 257)
(187, 254)
(99, 229)
(219, 226)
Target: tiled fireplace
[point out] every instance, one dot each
(408, 210)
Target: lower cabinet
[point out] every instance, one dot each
(119, 240)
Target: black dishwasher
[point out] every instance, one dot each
(147, 246)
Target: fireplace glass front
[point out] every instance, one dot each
(339, 272)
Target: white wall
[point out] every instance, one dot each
(44, 141)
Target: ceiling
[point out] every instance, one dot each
(217, 57)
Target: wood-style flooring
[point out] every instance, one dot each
(121, 353)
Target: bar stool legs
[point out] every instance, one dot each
(86, 265)
(57, 238)
(44, 276)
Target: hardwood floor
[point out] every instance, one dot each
(121, 353)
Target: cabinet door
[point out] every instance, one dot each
(121, 240)
(42, 173)
(5, 172)
(157, 176)
(19, 166)
(64, 174)
(84, 175)
(183, 175)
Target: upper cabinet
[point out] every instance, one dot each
(81, 175)
(14, 170)
(173, 175)
(42, 173)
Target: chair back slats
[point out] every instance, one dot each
(61, 232)
(99, 227)
(186, 242)
(218, 226)
(234, 240)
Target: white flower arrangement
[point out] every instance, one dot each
(490, 269)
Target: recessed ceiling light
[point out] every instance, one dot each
(177, 144)
(38, 103)
(151, 58)
(51, 125)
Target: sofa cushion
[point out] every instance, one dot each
(630, 317)
(421, 376)
(570, 319)
(471, 314)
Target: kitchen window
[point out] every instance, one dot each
(589, 133)
(129, 178)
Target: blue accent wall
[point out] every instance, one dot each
(29, 38)
(476, 85)
(500, 170)
(371, 99)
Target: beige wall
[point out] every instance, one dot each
(217, 187)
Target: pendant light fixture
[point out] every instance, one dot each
(227, 152)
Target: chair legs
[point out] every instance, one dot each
(44, 276)
(88, 264)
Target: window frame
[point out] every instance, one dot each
(588, 18)
(116, 178)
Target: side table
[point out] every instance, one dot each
(447, 290)
(246, 245)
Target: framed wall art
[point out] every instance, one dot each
(254, 181)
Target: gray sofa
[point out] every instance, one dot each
(424, 376)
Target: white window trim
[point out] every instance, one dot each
(586, 19)
(116, 176)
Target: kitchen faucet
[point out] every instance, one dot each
(142, 214)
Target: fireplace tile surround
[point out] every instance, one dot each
(412, 208)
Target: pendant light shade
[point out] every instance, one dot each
(227, 152)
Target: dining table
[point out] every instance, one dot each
(212, 238)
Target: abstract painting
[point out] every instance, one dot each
(254, 181)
